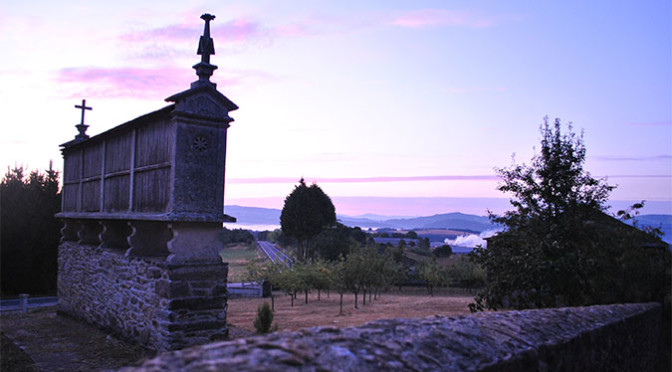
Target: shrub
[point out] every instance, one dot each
(264, 319)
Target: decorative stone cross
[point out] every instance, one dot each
(81, 127)
(83, 107)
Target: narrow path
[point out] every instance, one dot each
(58, 343)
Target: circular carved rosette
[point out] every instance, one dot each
(200, 144)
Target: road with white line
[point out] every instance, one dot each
(274, 253)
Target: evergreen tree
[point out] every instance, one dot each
(306, 213)
(30, 233)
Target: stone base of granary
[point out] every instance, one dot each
(162, 305)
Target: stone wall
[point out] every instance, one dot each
(163, 305)
(622, 337)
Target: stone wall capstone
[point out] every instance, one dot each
(621, 337)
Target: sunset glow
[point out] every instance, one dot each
(419, 99)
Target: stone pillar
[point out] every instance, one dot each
(23, 301)
(194, 242)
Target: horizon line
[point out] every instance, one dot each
(382, 179)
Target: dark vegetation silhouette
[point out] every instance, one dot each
(306, 213)
(234, 236)
(443, 251)
(559, 248)
(29, 231)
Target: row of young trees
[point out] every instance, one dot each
(364, 271)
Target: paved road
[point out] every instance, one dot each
(273, 252)
(15, 304)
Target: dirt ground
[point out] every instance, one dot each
(43, 340)
(410, 303)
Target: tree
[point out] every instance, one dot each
(443, 251)
(234, 236)
(335, 241)
(432, 274)
(559, 248)
(265, 272)
(307, 211)
(355, 271)
(340, 280)
(465, 273)
(30, 233)
(320, 276)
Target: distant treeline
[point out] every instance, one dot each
(29, 232)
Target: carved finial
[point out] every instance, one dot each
(81, 127)
(206, 46)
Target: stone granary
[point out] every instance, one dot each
(142, 210)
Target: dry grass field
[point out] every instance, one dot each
(410, 303)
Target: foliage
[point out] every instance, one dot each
(554, 185)
(269, 236)
(465, 273)
(366, 270)
(335, 241)
(421, 251)
(30, 233)
(227, 236)
(319, 276)
(307, 211)
(432, 274)
(558, 247)
(339, 280)
(443, 251)
(262, 323)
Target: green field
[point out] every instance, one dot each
(238, 256)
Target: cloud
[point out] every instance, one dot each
(633, 158)
(126, 81)
(365, 179)
(476, 90)
(640, 176)
(149, 83)
(472, 240)
(652, 124)
(425, 18)
(236, 30)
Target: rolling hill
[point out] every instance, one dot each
(248, 216)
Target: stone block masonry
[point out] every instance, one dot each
(622, 337)
(162, 305)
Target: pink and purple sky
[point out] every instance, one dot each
(393, 99)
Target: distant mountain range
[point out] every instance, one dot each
(455, 221)
(251, 216)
